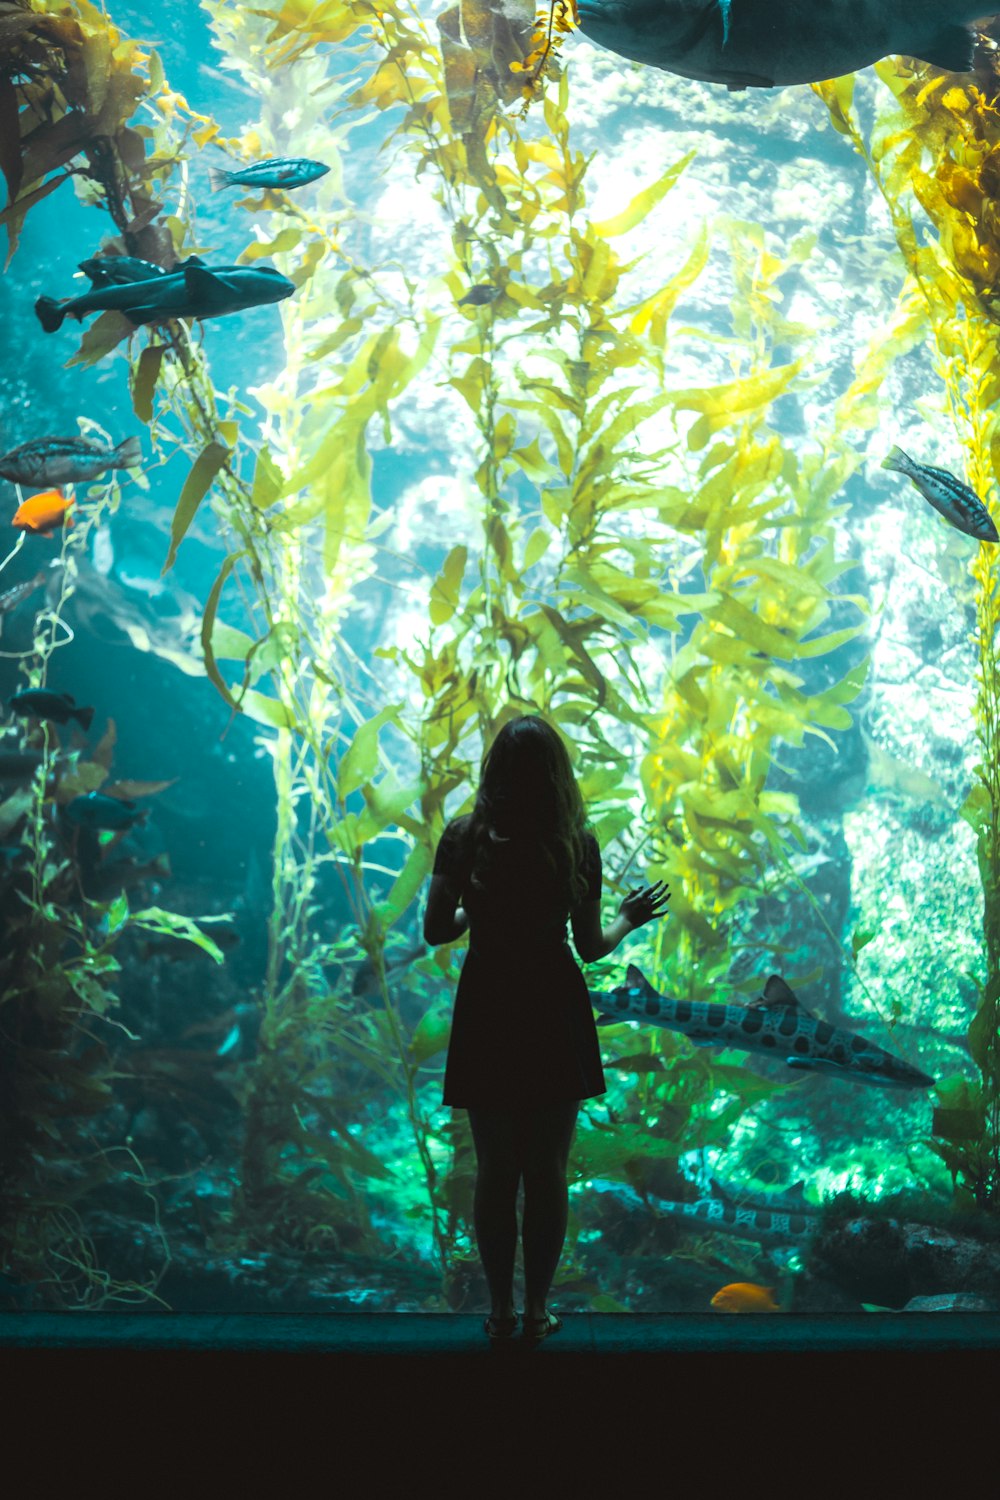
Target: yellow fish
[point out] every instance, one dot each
(745, 1297)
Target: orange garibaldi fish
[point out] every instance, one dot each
(44, 513)
(745, 1297)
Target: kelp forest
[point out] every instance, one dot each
(535, 437)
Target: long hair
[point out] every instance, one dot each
(528, 796)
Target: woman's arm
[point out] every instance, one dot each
(444, 919)
(641, 905)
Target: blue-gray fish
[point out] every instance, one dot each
(763, 43)
(276, 172)
(195, 292)
(66, 460)
(776, 1025)
(119, 270)
(948, 495)
(94, 810)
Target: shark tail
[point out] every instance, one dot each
(50, 313)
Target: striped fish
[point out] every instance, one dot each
(948, 495)
(776, 1025)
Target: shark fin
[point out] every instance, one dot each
(202, 283)
(606, 1020)
(777, 992)
(637, 978)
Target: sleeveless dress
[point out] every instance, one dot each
(523, 1032)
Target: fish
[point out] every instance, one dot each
(959, 505)
(366, 980)
(964, 1302)
(66, 460)
(743, 1220)
(119, 270)
(197, 291)
(43, 514)
(479, 296)
(276, 172)
(776, 1025)
(745, 1297)
(93, 810)
(12, 597)
(41, 703)
(768, 43)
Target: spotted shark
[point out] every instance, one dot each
(776, 1025)
(748, 1220)
(763, 43)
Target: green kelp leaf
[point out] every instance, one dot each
(103, 335)
(268, 481)
(265, 710)
(577, 651)
(977, 809)
(170, 924)
(208, 626)
(147, 373)
(536, 547)
(431, 1035)
(388, 802)
(603, 1302)
(406, 885)
(959, 1124)
(285, 239)
(445, 589)
(14, 808)
(360, 759)
(982, 1036)
(643, 201)
(861, 937)
(86, 776)
(197, 485)
(229, 644)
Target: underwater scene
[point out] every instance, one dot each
(373, 375)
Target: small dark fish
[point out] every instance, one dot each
(195, 292)
(66, 460)
(366, 979)
(40, 703)
(277, 172)
(13, 596)
(19, 765)
(119, 270)
(948, 495)
(92, 810)
(479, 296)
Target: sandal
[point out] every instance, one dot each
(536, 1329)
(499, 1330)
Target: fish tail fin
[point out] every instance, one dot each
(50, 313)
(84, 717)
(128, 455)
(218, 178)
(897, 459)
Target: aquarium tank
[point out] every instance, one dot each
(529, 378)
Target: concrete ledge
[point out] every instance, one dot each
(461, 1334)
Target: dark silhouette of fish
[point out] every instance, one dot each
(763, 43)
(40, 703)
(197, 291)
(776, 1025)
(93, 810)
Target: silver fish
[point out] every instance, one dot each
(776, 1025)
(763, 43)
(66, 460)
(948, 495)
(763, 1225)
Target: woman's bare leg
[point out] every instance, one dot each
(545, 1136)
(498, 1173)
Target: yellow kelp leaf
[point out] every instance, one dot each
(644, 201)
(736, 396)
(358, 763)
(144, 380)
(445, 590)
(654, 313)
(536, 547)
(267, 481)
(407, 884)
(431, 1035)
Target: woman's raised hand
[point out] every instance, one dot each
(645, 902)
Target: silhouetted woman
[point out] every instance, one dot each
(524, 1047)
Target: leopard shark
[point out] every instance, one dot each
(776, 1024)
(768, 43)
(750, 1219)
